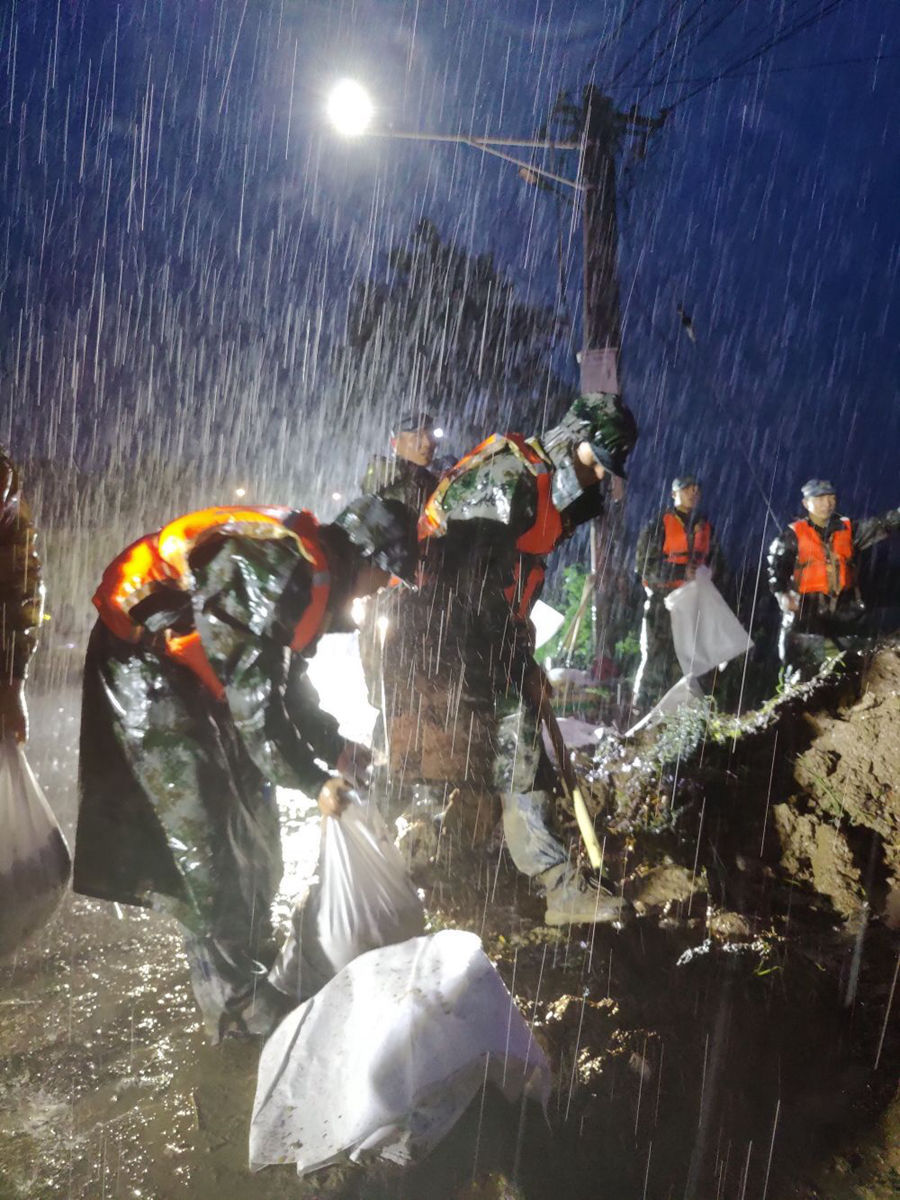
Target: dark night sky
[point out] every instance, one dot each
(179, 228)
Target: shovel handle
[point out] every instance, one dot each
(570, 781)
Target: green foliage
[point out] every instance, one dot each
(573, 580)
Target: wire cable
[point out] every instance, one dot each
(806, 22)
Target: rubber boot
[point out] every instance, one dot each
(571, 900)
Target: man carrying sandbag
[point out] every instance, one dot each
(196, 701)
(669, 551)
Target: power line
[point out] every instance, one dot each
(830, 62)
(656, 28)
(713, 24)
(673, 40)
(806, 22)
(611, 38)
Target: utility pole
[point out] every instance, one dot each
(604, 128)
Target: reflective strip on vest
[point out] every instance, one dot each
(825, 569)
(164, 558)
(305, 527)
(189, 652)
(523, 605)
(547, 528)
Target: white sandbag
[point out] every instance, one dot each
(363, 898)
(547, 622)
(386, 1058)
(705, 632)
(34, 858)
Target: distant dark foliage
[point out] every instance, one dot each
(445, 331)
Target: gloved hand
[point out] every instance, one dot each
(788, 602)
(334, 796)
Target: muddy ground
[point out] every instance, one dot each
(737, 1038)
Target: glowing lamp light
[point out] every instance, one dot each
(438, 433)
(240, 493)
(349, 108)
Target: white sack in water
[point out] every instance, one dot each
(705, 632)
(387, 1057)
(34, 858)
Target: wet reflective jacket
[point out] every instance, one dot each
(683, 550)
(824, 562)
(524, 504)
(669, 545)
(160, 562)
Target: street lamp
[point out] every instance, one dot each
(349, 108)
(350, 111)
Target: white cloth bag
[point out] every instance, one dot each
(388, 1055)
(705, 632)
(363, 899)
(34, 857)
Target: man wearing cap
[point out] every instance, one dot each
(812, 575)
(196, 701)
(669, 551)
(486, 532)
(406, 476)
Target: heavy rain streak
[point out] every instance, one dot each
(527, 823)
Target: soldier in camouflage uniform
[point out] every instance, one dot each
(196, 702)
(21, 600)
(408, 476)
(469, 664)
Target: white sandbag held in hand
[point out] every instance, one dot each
(363, 898)
(705, 632)
(34, 858)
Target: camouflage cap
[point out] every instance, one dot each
(817, 487)
(609, 426)
(411, 420)
(682, 481)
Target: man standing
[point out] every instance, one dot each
(196, 701)
(406, 477)
(812, 575)
(669, 551)
(486, 532)
(21, 600)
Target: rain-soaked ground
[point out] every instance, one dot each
(680, 1069)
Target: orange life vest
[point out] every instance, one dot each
(676, 549)
(536, 542)
(823, 567)
(163, 558)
